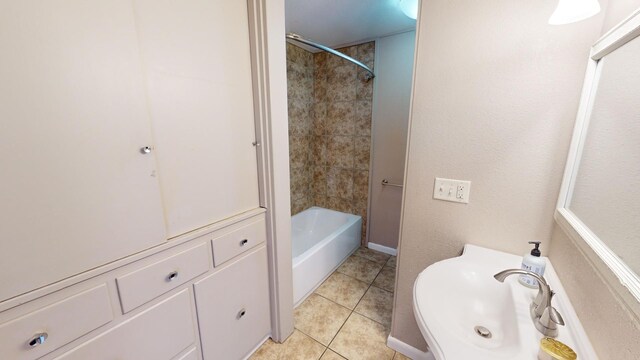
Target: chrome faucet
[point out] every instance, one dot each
(545, 317)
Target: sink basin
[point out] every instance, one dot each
(464, 313)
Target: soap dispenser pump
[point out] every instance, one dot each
(534, 263)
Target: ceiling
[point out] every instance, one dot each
(344, 22)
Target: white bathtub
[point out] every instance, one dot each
(321, 239)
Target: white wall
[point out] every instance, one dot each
(495, 95)
(392, 96)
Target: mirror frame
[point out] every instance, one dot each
(592, 246)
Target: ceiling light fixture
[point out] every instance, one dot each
(569, 11)
(409, 8)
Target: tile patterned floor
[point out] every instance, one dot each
(347, 317)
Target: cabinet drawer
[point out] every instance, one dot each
(62, 322)
(161, 332)
(143, 285)
(233, 307)
(238, 241)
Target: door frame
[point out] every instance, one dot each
(268, 54)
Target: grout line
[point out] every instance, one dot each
(327, 348)
(338, 332)
(351, 311)
(333, 301)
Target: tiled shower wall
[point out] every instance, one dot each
(342, 131)
(300, 103)
(338, 131)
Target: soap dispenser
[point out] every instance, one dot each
(534, 263)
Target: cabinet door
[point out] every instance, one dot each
(75, 190)
(158, 333)
(233, 308)
(198, 69)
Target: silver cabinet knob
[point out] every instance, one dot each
(244, 242)
(38, 339)
(172, 275)
(145, 150)
(241, 313)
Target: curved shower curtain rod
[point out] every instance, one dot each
(370, 75)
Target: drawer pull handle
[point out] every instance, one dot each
(172, 276)
(145, 150)
(241, 313)
(244, 242)
(38, 339)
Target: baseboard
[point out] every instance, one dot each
(408, 350)
(257, 347)
(382, 248)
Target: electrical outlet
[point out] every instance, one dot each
(452, 190)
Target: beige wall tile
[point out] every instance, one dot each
(361, 184)
(319, 151)
(299, 183)
(362, 149)
(364, 89)
(319, 184)
(321, 200)
(334, 121)
(320, 86)
(341, 118)
(340, 151)
(363, 118)
(297, 205)
(300, 85)
(340, 204)
(319, 118)
(366, 53)
(298, 151)
(340, 183)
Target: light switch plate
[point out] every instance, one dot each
(452, 190)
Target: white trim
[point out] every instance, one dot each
(270, 102)
(382, 248)
(374, 100)
(408, 350)
(624, 32)
(578, 133)
(257, 347)
(592, 246)
(584, 237)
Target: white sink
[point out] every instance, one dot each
(453, 297)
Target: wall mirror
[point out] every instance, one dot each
(599, 203)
